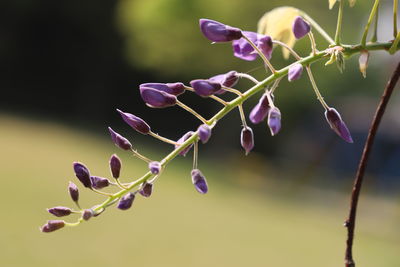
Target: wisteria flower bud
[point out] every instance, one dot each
(155, 167)
(73, 191)
(294, 72)
(260, 111)
(126, 201)
(87, 214)
(52, 226)
(228, 79)
(82, 173)
(300, 27)
(99, 182)
(115, 166)
(181, 140)
(247, 139)
(170, 88)
(119, 140)
(217, 32)
(274, 120)
(243, 50)
(60, 211)
(363, 62)
(337, 124)
(135, 122)
(146, 190)
(204, 132)
(205, 88)
(199, 181)
(157, 99)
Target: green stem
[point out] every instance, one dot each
(371, 17)
(395, 6)
(339, 23)
(261, 54)
(375, 35)
(318, 28)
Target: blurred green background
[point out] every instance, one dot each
(66, 66)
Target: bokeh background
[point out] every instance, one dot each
(65, 66)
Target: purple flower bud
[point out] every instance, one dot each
(126, 201)
(99, 182)
(204, 133)
(115, 166)
(157, 99)
(205, 88)
(247, 139)
(337, 124)
(243, 50)
(260, 111)
(170, 88)
(60, 211)
(146, 189)
(199, 181)
(73, 191)
(82, 173)
(135, 122)
(274, 120)
(119, 140)
(155, 167)
(294, 72)
(228, 79)
(181, 140)
(87, 214)
(300, 27)
(52, 225)
(217, 32)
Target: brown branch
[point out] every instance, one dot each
(351, 221)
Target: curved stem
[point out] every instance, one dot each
(317, 27)
(314, 86)
(294, 54)
(351, 221)
(216, 98)
(140, 156)
(339, 23)
(164, 139)
(313, 44)
(248, 77)
(242, 116)
(190, 110)
(371, 17)
(261, 54)
(195, 154)
(375, 35)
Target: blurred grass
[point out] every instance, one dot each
(230, 226)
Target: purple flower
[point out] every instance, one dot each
(146, 189)
(170, 88)
(99, 182)
(204, 133)
(73, 191)
(119, 140)
(217, 32)
(247, 139)
(87, 214)
(181, 140)
(52, 225)
(300, 27)
(274, 120)
(82, 173)
(205, 88)
(135, 122)
(60, 211)
(243, 50)
(337, 124)
(294, 72)
(115, 166)
(199, 181)
(260, 111)
(157, 99)
(126, 201)
(228, 79)
(155, 167)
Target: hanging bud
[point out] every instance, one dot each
(169, 88)
(126, 201)
(244, 50)
(294, 72)
(274, 120)
(363, 62)
(82, 173)
(52, 225)
(73, 191)
(135, 122)
(260, 111)
(60, 211)
(115, 166)
(218, 32)
(300, 27)
(155, 167)
(337, 124)
(199, 181)
(247, 139)
(181, 140)
(228, 79)
(119, 140)
(157, 99)
(146, 190)
(205, 88)
(87, 214)
(99, 182)
(204, 132)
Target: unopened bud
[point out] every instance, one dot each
(99, 182)
(199, 181)
(60, 211)
(155, 167)
(204, 132)
(247, 139)
(363, 62)
(274, 120)
(181, 140)
(87, 214)
(119, 140)
(218, 32)
(300, 27)
(73, 191)
(169, 88)
(82, 173)
(205, 88)
(126, 201)
(115, 166)
(157, 99)
(260, 111)
(52, 225)
(146, 190)
(337, 124)
(135, 122)
(294, 72)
